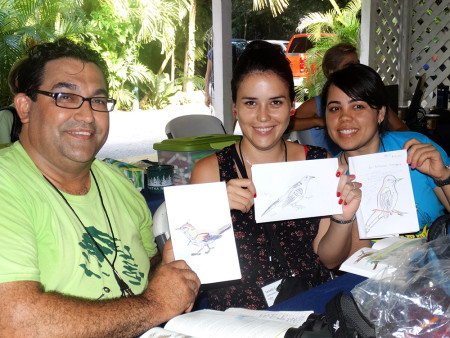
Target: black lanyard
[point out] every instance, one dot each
(124, 288)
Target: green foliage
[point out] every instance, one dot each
(116, 28)
(126, 74)
(26, 22)
(276, 6)
(344, 23)
(159, 91)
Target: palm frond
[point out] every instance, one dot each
(276, 6)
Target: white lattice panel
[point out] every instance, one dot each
(386, 40)
(427, 47)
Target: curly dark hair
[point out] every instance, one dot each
(26, 74)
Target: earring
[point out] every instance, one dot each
(234, 112)
(292, 113)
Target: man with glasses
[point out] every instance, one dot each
(76, 243)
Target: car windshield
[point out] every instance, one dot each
(300, 45)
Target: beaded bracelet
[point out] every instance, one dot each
(342, 221)
(441, 183)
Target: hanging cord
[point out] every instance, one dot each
(243, 157)
(124, 288)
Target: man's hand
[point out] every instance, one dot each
(168, 255)
(173, 288)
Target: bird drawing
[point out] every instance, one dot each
(386, 201)
(292, 196)
(202, 238)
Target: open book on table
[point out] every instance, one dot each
(234, 322)
(369, 262)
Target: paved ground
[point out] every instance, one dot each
(132, 134)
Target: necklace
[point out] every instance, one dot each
(251, 163)
(246, 159)
(124, 288)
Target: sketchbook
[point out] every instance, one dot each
(387, 207)
(234, 322)
(297, 189)
(370, 262)
(201, 230)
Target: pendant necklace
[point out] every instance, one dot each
(124, 288)
(243, 157)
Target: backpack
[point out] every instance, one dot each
(440, 227)
(342, 319)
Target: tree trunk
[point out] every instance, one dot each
(166, 59)
(189, 54)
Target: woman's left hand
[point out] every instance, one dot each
(348, 193)
(425, 158)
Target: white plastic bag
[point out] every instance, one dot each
(414, 301)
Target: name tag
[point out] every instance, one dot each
(270, 292)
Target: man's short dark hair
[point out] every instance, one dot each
(26, 75)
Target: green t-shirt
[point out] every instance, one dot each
(42, 240)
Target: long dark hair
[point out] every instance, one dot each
(262, 56)
(360, 83)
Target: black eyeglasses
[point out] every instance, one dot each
(74, 101)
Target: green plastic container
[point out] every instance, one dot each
(183, 152)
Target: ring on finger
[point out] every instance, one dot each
(354, 185)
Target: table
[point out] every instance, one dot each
(312, 300)
(317, 298)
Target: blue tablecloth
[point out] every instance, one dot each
(153, 200)
(316, 298)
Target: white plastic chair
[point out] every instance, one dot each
(194, 125)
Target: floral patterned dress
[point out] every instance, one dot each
(254, 249)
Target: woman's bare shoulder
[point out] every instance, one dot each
(296, 151)
(206, 170)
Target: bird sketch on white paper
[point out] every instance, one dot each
(363, 255)
(292, 196)
(202, 238)
(387, 198)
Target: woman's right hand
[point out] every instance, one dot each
(241, 193)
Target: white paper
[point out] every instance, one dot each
(369, 262)
(299, 189)
(295, 318)
(201, 230)
(236, 323)
(270, 292)
(158, 332)
(387, 206)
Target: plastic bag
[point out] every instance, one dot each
(414, 300)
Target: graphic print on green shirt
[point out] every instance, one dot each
(106, 243)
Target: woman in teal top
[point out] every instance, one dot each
(309, 118)
(354, 100)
